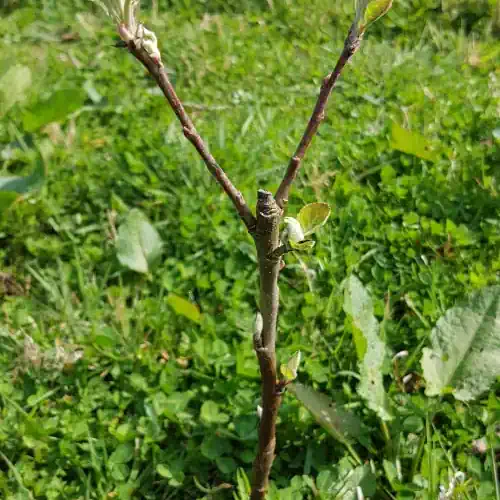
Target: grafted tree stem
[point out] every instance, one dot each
(267, 241)
(265, 230)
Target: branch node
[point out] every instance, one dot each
(189, 133)
(257, 342)
(279, 252)
(353, 41)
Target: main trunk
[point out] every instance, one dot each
(267, 241)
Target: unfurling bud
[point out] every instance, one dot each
(293, 231)
(124, 13)
(369, 11)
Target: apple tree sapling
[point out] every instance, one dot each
(271, 241)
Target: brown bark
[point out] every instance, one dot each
(267, 241)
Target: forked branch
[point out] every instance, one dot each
(266, 233)
(351, 45)
(158, 72)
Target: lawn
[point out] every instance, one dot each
(117, 384)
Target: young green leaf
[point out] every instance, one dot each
(313, 216)
(370, 11)
(375, 10)
(303, 246)
(465, 353)
(289, 371)
(184, 308)
(295, 237)
(138, 245)
(358, 304)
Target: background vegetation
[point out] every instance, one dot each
(111, 387)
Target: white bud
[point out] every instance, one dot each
(259, 324)
(259, 411)
(400, 355)
(150, 44)
(293, 231)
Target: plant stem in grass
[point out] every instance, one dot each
(265, 230)
(267, 241)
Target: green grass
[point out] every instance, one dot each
(159, 405)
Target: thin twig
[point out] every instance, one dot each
(351, 45)
(159, 73)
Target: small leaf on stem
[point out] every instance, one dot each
(289, 371)
(369, 11)
(303, 246)
(313, 216)
(309, 220)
